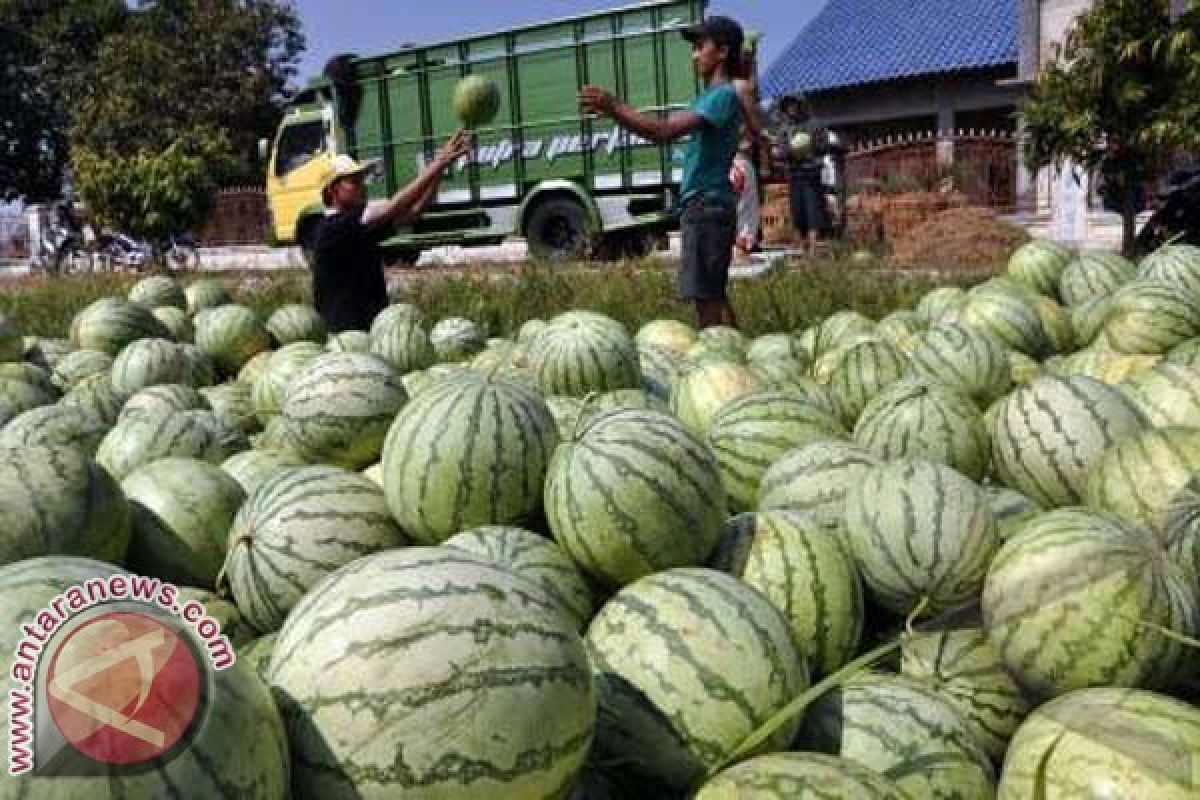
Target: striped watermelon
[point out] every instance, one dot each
(46, 353)
(1168, 395)
(224, 612)
(349, 342)
(1009, 315)
(205, 294)
(900, 328)
(799, 776)
(840, 330)
(807, 339)
(918, 419)
(96, 396)
(296, 323)
(787, 373)
(1177, 265)
(1103, 365)
(398, 313)
(140, 439)
(238, 750)
(806, 572)
(530, 330)
(963, 668)
(753, 432)
(723, 337)
(863, 371)
(1145, 317)
(457, 339)
(670, 334)
(776, 347)
(703, 353)
(25, 373)
(920, 532)
(256, 654)
(1138, 477)
(1066, 575)
(199, 369)
(80, 364)
(537, 558)
(1047, 436)
(146, 363)
(634, 493)
(400, 340)
(1088, 319)
(1039, 265)
(566, 412)
(111, 323)
(468, 451)
(1181, 528)
(284, 364)
(502, 679)
(56, 500)
(231, 335)
(374, 474)
(621, 399)
(905, 731)
(17, 397)
(12, 344)
(1011, 510)
(1057, 323)
(1105, 742)
(158, 291)
(300, 525)
(55, 425)
(1023, 368)
(162, 400)
(972, 361)
(252, 468)
(937, 302)
(1095, 274)
(701, 393)
(688, 663)
(339, 409)
(182, 510)
(176, 321)
(581, 352)
(815, 479)
(825, 364)
(233, 403)
(1186, 354)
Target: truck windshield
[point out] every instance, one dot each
(298, 145)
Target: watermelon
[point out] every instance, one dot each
(400, 340)
(776, 347)
(669, 334)
(1103, 365)
(1186, 354)
(920, 532)
(17, 396)
(46, 353)
(634, 493)
(282, 366)
(807, 573)
(12, 344)
(1009, 315)
(701, 393)
(1145, 317)
(296, 323)
(176, 321)
(799, 776)
(256, 654)
(502, 679)
(786, 373)
(350, 342)
(1046, 437)
(704, 353)
(109, 324)
(251, 468)
(1066, 575)
(580, 352)
(1011, 510)
(904, 730)
(807, 339)
(199, 369)
(863, 371)
(339, 409)
(838, 330)
(1095, 274)
(146, 363)
(723, 337)
(1024, 369)
(1181, 528)
(916, 418)
(55, 425)
(754, 431)
(57, 500)
(182, 510)
(476, 100)
(800, 145)
(620, 399)
(566, 412)
(457, 339)
(1057, 323)
(468, 451)
(1138, 477)
(900, 328)
(300, 525)
(1039, 265)
(660, 369)
(972, 361)
(536, 558)
(96, 396)
(1105, 742)
(162, 400)
(963, 668)
(224, 612)
(530, 330)
(80, 364)
(688, 663)
(233, 404)
(231, 335)
(1176, 265)
(938, 302)
(1168, 395)
(815, 479)
(1088, 319)
(140, 439)
(205, 294)
(158, 291)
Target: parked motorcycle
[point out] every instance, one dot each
(178, 252)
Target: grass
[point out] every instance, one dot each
(791, 297)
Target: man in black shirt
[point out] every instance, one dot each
(348, 284)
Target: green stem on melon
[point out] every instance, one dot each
(587, 401)
(915, 614)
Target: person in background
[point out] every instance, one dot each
(349, 288)
(709, 206)
(806, 192)
(749, 209)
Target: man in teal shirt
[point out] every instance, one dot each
(709, 205)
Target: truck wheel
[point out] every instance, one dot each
(557, 230)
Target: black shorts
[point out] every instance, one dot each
(807, 198)
(709, 230)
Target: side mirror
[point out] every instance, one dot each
(264, 149)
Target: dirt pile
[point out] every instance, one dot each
(968, 238)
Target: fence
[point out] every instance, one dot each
(239, 217)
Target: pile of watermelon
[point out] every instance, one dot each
(951, 553)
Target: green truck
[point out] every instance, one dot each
(570, 184)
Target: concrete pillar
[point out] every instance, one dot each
(1026, 179)
(945, 138)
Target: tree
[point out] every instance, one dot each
(32, 145)
(1124, 97)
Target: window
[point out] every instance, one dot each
(298, 145)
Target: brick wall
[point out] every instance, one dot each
(239, 217)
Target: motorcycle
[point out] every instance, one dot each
(63, 245)
(178, 252)
(1177, 220)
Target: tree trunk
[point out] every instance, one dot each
(1128, 214)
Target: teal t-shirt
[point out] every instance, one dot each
(709, 154)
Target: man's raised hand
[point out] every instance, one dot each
(455, 148)
(596, 100)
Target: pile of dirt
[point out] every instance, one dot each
(969, 238)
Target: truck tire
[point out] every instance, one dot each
(557, 230)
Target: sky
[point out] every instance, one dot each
(376, 26)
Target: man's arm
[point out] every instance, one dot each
(410, 200)
(595, 100)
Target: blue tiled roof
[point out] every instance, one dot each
(854, 42)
